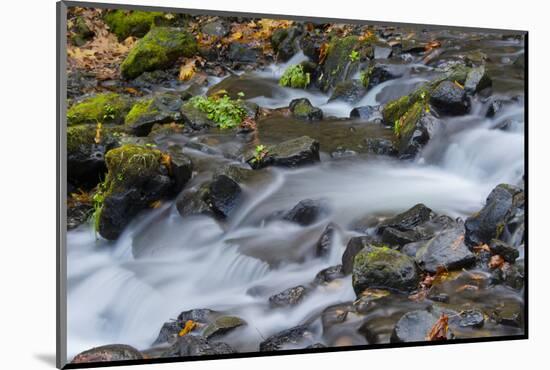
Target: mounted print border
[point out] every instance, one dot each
(238, 185)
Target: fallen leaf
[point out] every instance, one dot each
(482, 248)
(323, 51)
(459, 85)
(432, 45)
(187, 70)
(156, 204)
(189, 326)
(439, 329)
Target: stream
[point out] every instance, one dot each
(163, 264)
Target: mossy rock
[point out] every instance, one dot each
(86, 157)
(105, 108)
(81, 33)
(223, 325)
(339, 65)
(137, 177)
(303, 110)
(147, 112)
(158, 49)
(124, 23)
(384, 268)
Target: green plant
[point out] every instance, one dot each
(295, 77)
(109, 112)
(259, 153)
(226, 112)
(354, 56)
(97, 202)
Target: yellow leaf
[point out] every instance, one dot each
(187, 70)
(459, 85)
(189, 326)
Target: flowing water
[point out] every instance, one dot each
(122, 292)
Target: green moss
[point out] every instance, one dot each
(125, 23)
(395, 109)
(302, 109)
(79, 135)
(295, 76)
(364, 76)
(160, 48)
(104, 108)
(139, 109)
(341, 52)
(226, 112)
(404, 125)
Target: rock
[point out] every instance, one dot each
(303, 110)
(195, 118)
(409, 219)
(170, 329)
(77, 214)
(201, 315)
(322, 247)
(307, 212)
(223, 195)
(124, 23)
(150, 80)
(449, 99)
(414, 326)
(477, 80)
(509, 275)
(382, 52)
(509, 253)
(107, 108)
(162, 108)
(471, 318)
(338, 66)
(193, 345)
(158, 49)
(292, 153)
(447, 250)
(194, 202)
(509, 314)
(137, 176)
(382, 72)
(383, 268)
(380, 146)
(285, 43)
(349, 91)
(246, 83)
(288, 297)
(85, 157)
(329, 274)
(111, 352)
(368, 113)
(393, 236)
(491, 221)
(217, 28)
(287, 339)
(335, 314)
(341, 153)
(354, 246)
(243, 53)
(223, 325)
(237, 173)
(520, 61)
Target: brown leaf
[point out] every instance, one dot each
(482, 248)
(439, 329)
(323, 50)
(432, 45)
(187, 70)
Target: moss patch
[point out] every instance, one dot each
(139, 109)
(295, 76)
(104, 108)
(79, 135)
(125, 23)
(160, 48)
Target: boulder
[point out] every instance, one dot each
(85, 156)
(161, 108)
(217, 28)
(194, 201)
(329, 274)
(509, 253)
(335, 314)
(223, 325)
(407, 220)
(307, 212)
(170, 329)
(381, 72)
(243, 53)
(285, 42)
(194, 345)
(384, 268)
(137, 23)
(322, 247)
(296, 337)
(449, 99)
(349, 91)
(446, 250)
(158, 49)
(493, 221)
(415, 326)
(111, 352)
(354, 246)
(288, 297)
(80, 32)
(223, 195)
(137, 176)
(380, 146)
(195, 118)
(107, 108)
(393, 236)
(471, 318)
(477, 80)
(292, 153)
(303, 110)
